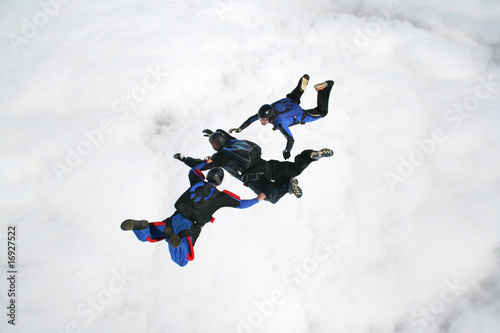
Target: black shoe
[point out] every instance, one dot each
(325, 152)
(293, 187)
(304, 80)
(134, 225)
(323, 85)
(173, 238)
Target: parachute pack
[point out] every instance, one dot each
(245, 153)
(193, 202)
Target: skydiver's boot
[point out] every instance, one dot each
(325, 152)
(304, 80)
(293, 187)
(134, 225)
(173, 238)
(297, 92)
(323, 85)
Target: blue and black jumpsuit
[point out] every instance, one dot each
(288, 112)
(189, 218)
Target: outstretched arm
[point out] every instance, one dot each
(247, 123)
(189, 161)
(289, 140)
(195, 175)
(192, 162)
(243, 203)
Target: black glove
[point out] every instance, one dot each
(286, 154)
(207, 132)
(180, 157)
(236, 130)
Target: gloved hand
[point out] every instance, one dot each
(236, 130)
(180, 157)
(207, 132)
(286, 154)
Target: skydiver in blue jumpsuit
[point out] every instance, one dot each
(194, 209)
(287, 111)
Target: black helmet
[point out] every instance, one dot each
(215, 176)
(266, 111)
(217, 140)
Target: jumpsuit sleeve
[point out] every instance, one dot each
(195, 174)
(191, 162)
(249, 121)
(288, 135)
(204, 165)
(236, 202)
(248, 203)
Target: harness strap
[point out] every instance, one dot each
(304, 115)
(250, 177)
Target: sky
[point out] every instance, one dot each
(395, 233)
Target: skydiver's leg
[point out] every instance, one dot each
(321, 110)
(297, 92)
(274, 190)
(291, 169)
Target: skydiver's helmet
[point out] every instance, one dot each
(217, 140)
(266, 111)
(215, 176)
